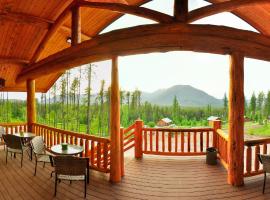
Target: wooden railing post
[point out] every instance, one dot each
(138, 139)
(216, 124)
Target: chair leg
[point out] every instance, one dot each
(43, 164)
(85, 183)
(22, 160)
(70, 182)
(55, 186)
(6, 155)
(264, 182)
(35, 168)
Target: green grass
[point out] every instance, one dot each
(260, 130)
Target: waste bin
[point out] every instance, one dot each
(211, 156)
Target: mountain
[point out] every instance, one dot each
(187, 96)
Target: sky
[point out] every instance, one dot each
(150, 72)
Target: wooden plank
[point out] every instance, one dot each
(248, 160)
(182, 141)
(163, 141)
(75, 25)
(151, 141)
(188, 144)
(153, 38)
(157, 141)
(195, 141)
(176, 141)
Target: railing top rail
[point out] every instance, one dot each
(222, 134)
(129, 128)
(257, 141)
(13, 123)
(80, 135)
(179, 129)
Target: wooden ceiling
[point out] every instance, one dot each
(25, 23)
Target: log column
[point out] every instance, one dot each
(76, 25)
(236, 120)
(31, 104)
(181, 10)
(115, 173)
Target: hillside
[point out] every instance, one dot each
(186, 95)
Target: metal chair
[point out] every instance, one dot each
(14, 145)
(40, 152)
(265, 160)
(71, 168)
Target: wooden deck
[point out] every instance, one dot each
(153, 177)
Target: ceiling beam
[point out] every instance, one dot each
(67, 30)
(129, 9)
(7, 60)
(25, 19)
(153, 38)
(216, 8)
(54, 27)
(181, 10)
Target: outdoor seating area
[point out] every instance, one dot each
(43, 39)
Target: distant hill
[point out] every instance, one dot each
(186, 95)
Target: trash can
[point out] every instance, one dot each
(211, 156)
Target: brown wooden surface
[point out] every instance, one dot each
(152, 178)
(115, 175)
(31, 103)
(181, 10)
(236, 120)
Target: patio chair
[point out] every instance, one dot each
(2, 132)
(14, 145)
(265, 160)
(71, 168)
(41, 153)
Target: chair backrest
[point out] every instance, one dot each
(265, 159)
(2, 131)
(38, 145)
(12, 141)
(70, 165)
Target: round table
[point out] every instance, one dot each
(25, 138)
(71, 149)
(25, 135)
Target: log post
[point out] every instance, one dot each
(138, 139)
(216, 124)
(75, 25)
(236, 120)
(31, 104)
(122, 152)
(115, 172)
(181, 10)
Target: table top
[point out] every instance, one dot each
(25, 135)
(71, 149)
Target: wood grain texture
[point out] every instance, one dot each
(236, 120)
(31, 104)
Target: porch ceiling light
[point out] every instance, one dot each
(2, 82)
(69, 40)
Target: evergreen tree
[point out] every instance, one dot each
(252, 105)
(225, 105)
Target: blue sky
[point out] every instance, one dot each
(207, 72)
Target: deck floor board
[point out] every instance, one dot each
(153, 177)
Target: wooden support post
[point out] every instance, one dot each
(122, 152)
(31, 104)
(236, 120)
(76, 26)
(115, 172)
(181, 10)
(216, 124)
(138, 139)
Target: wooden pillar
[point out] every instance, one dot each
(115, 173)
(76, 25)
(31, 104)
(181, 10)
(236, 120)
(138, 139)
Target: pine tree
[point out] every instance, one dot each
(88, 92)
(253, 105)
(225, 105)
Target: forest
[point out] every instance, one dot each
(69, 106)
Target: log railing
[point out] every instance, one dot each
(252, 148)
(11, 128)
(222, 146)
(176, 142)
(128, 135)
(96, 148)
